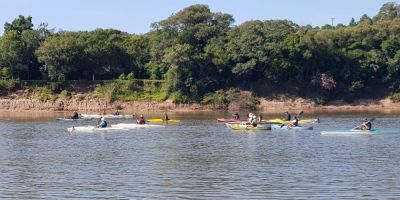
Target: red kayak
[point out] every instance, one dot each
(222, 120)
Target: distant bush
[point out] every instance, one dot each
(395, 97)
(130, 90)
(65, 94)
(219, 99)
(320, 100)
(7, 86)
(44, 94)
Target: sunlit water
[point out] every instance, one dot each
(198, 159)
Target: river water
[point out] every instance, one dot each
(197, 159)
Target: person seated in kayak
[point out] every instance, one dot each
(260, 118)
(250, 118)
(236, 116)
(141, 120)
(367, 125)
(294, 123)
(116, 113)
(287, 116)
(75, 115)
(253, 121)
(102, 123)
(166, 118)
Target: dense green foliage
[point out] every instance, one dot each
(198, 52)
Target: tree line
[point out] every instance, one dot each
(199, 52)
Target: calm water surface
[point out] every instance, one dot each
(197, 159)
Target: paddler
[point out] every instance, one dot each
(141, 120)
(236, 116)
(367, 125)
(250, 118)
(166, 118)
(116, 113)
(102, 123)
(254, 121)
(294, 123)
(287, 116)
(74, 115)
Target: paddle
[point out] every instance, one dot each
(359, 126)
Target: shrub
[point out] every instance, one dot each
(44, 94)
(65, 94)
(395, 97)
(219, 99)
(7, 86)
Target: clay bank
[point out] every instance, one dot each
(266, 106)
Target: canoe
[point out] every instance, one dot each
(93, 129)
(222, 120)
(281, 121)
(235, 126)
(358, 132)
(283, 128)
(159, 120)
(94, 116)
(133, 126)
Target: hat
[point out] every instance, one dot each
(365, 120)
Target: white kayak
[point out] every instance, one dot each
(94, 116)
(358, 132)
(133, 126)
(93, 129)
(277, 127)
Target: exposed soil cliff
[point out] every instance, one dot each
(267, 106)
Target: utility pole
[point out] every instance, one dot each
(332, 21)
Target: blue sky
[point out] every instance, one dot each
(136, 16)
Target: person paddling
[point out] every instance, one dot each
(287, 116)
(74, 115)
(236, 116)
(116, 113)
(294, 123)
(102, 123)
(166, 118)
(367, 125)
(141, 120)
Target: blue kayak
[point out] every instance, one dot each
(358, 132)
(276, 127)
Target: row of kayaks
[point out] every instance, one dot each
(116, 127)
(272, 121)
(265, 126)
(154, 120)
(276, 127)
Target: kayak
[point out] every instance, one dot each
(222, 120)
(285, 127)
(358, 132)
(93, 129)
(281, 121)
(243, 126)
(94, 116)
(133, 126)
(69, 119)
(159, 120)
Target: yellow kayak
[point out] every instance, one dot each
(159, 120)
(281, 121)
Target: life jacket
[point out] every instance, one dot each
(141, 120)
